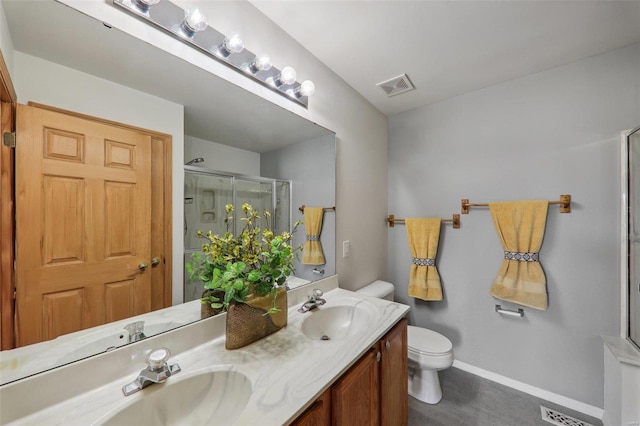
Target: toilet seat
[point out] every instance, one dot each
(422, 341)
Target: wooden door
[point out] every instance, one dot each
(319, 414)
(355, 397)
(83, 224)
(394, 392)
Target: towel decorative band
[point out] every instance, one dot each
(421, 261)
(521, 256)
(313, 238)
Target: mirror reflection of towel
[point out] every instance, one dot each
(423, 235)
(312, 249)
(520, 226)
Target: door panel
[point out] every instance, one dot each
(61, 312)
(83, 223)
(63, 210)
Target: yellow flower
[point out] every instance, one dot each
(229, 208)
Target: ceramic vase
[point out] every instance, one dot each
(249, 322)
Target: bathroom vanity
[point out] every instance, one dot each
(380, 375)
(294, 376)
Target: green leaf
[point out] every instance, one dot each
(238, 284)
(254, 276)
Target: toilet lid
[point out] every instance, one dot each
(425, 341)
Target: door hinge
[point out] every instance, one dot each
(9, 139)
(14, 294)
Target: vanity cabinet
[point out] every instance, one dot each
(394, 392)
(319, 414)
(372, 392)
(355, 397)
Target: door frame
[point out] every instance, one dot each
(8, 100)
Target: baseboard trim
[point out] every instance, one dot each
(573, 404)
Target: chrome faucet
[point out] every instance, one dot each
(136, 331)
(314, 300)
(157, 371)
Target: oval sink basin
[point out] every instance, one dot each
(211, 397)
(336, 322)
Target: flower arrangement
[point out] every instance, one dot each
(235, 269)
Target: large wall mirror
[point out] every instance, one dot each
(632, 231)
(56, 46)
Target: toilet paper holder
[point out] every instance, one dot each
(518, 313)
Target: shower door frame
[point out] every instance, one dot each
(627, 287)
(218, 173)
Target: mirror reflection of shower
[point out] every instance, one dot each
(194, 161)
(206, 194)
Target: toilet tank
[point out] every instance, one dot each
(379, 289)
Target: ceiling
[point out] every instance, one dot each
(446, 47)
(450, 47)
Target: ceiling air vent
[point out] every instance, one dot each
(396, 85)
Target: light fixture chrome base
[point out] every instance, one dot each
(169, 17)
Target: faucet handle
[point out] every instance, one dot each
(157, 359)
(135, 327)
(317, 293)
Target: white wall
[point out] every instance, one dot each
(48, 83)
(220, 157)
(361, 130)
(6, 43)
(550, 133)
(311, 167)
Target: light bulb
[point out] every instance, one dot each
(232, 44)
(286, 76)
(307, 88)
(144, 5)
(260, 63)
(194, 21)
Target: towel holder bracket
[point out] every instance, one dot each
(518, 313)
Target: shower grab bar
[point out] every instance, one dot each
(501, 310)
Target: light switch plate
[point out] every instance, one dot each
(346, 248)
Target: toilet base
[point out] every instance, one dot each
(424, 385)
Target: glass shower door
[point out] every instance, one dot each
(257, 193)
(205, 198)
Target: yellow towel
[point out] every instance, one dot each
(520, 226)
(312, 250)
(424, 280)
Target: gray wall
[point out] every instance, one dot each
(550, 133)
(311, 165)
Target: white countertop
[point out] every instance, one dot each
(287, 370)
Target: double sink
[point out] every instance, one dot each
(223, 394)
(269, 382)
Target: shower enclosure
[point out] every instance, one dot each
(206, 194)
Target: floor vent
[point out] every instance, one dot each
(559, 419)
(396, 85)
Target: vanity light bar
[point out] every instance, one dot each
(171, 18)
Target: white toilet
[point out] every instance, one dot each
(429, 351)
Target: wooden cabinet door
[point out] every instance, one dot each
(319, 414)
(394, 394)
(83, 224)
(355, 397)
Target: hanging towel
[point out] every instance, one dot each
(520, 226)
(312, 250)
(424, 280)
